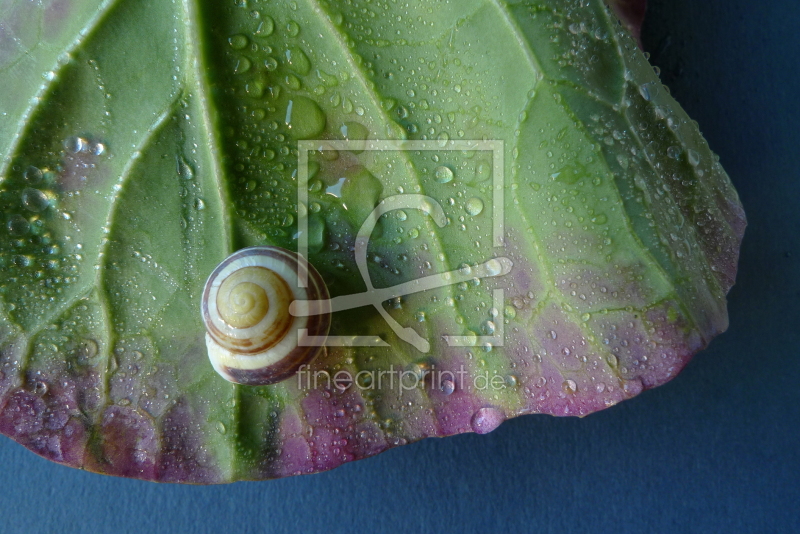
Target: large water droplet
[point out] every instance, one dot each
(242, 65)
(483, 171)
(648, 91)
(298, 61)
(317, 233)
(474, 206)
(493, 267)
(265, 27)
(569, 386)
(237, 42)
(443, 174)
(292, 29)
(74, 145)
(447, 386)
(304, 118)
(34, 200)
(18, 225)
(357, 133)
(40, 387)
(270, 63)
(693, 157)
(293, 82)
(87, 352)
(487, 419)
(569, 174)
(33, 175)
(361, 192)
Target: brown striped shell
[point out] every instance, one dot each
(251, 337)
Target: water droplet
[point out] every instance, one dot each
(355, 131)
(317, 230)
(569, 386)
(265, 27)
(33, 175)
(443, 174)
(483, 171)
(487, 419)
(18, 225)
(74, 145)
(298, 61)
(693, 157)
(360, 192)
(254, 89)
(474, 206)
(648, 91)
(293, 82)
(86, 352)
(493, 267)
(237, 42)
(569, 174)
(34, 200)
(184, 168)
(304, 118)
(448, 386)
(242, 65)
(632, 387)
(270, 63)
(292, 29)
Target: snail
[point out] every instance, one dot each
(251, 337)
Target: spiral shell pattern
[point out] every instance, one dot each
(251, 337)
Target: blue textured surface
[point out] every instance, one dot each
(715, 450)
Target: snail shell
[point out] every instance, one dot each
(250, 335)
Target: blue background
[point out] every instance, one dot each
(715, 450)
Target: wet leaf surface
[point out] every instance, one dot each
(143, 142)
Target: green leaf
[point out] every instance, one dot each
(144, 141)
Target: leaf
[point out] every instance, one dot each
(144, 141)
